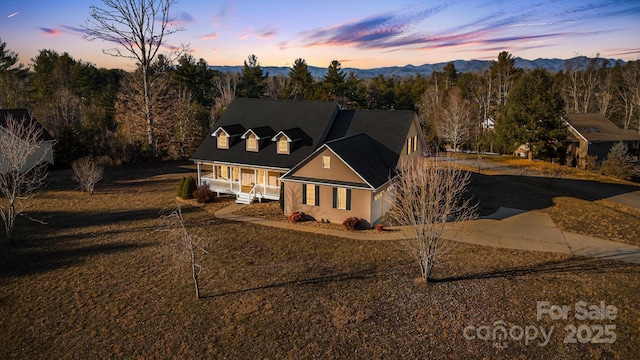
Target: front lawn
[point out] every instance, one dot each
(98, 281)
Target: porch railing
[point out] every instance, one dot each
(234, 187)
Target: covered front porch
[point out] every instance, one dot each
(246, 183)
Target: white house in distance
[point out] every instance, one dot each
(488, 124)
(44, 153)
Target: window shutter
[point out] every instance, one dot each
(335, 198)
(348, 199)
(304, 193)
(317, 193)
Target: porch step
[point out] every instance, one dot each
(243, 198)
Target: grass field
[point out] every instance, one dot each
(99, 281)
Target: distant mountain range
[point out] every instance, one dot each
(553, 65)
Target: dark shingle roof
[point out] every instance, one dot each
(388, 127)
(595, 127)
(23, 115)
(313, 118)
(371, 159)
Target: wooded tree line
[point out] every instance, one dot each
(100, 112)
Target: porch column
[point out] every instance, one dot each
(199, 177)
(230, 174)
(265, 174)
(239, 179)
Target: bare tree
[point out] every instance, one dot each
(22, 171)
(140, 28)
(190, 245)
(455, 123)
(87, 173)
(226, 86)
(630, 92)
(604, 93)
(277, 86)
(429, 198)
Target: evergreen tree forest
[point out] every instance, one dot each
(97, 112)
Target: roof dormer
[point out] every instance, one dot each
(225, 134)
(254, 136)
(285, 139)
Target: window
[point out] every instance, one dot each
(412, 144)
(224, 172)
(252, 143)
(595, 129)
(311, 194)
(326, 162)
(223, 141)
(283, 146)
(342, 198)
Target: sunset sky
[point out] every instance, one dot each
(362, 34)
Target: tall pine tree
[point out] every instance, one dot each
(533, 116)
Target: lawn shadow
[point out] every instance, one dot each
(313, 281)
(69, 220)
(581, 265)
(18, 260)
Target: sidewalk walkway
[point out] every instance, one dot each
(507, 228)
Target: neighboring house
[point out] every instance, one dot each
(44, 153)
(334, 163)
(594, 135)
(488, 123)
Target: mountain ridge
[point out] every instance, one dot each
(553, 65)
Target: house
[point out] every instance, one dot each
(333, 163)
(44, 153)
(488, 123)
(593, 134)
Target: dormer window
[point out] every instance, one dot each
(252, 142)
(286, 138)
(283, 145)
(223, 141)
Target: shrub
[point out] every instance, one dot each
(181, 186)
(187, 188)
(619, 163)
(379, 228)
(297, 216)
(204, 195)
(591, 163)
(351, 223)
(87, 173)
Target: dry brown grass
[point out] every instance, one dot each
(98, 282)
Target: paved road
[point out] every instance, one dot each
(589, 190)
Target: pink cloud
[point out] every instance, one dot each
(208, 37)
(264, 33)
(51, 32)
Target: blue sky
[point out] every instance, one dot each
(358, 33)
